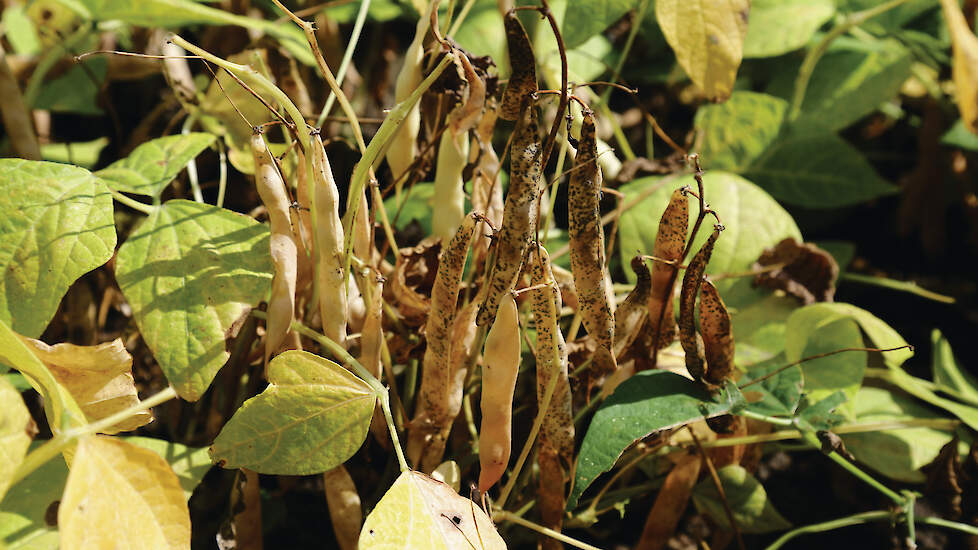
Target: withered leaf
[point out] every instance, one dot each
(98, 377)
(670, 504)
(803, 270)
(414, 275)
(945, 479)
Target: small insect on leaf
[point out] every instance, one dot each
(523, 80)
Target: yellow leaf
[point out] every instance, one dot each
(98, 377)
(122, 496)
(964, 65)
(708, 39)
(421, 512)
(17, 428)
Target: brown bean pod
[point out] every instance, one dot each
(487, 191)
(718, 340)
(632, 314)
(328, 234)
(519, 213)
(500, 365)
(522, 63)
(587, 255)
(691, 340)
(556, 437)
(282, 246)
(433, 418)
(669, 244)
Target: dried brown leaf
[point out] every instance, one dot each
(670, 504)
(803, 270)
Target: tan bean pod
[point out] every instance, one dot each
(523, 67)
(587, 255)
(669, 244)
(282, 246)
(717, 333)
(691, 340)
(328, 234)
(433, 417)
(556, 439)
(345, 510)
(519, 213)
(487, 191)
(500, 365)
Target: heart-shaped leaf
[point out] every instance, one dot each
(154, 164)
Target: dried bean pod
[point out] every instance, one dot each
(556, 439)
(519, 213)
(717, 334)
(487, 191)
(523, 78)
(500, 364)
(282, 246)
(345, 510)
(587, 257)
(433, 417)
(691, 340)
(371, 342)
(669, 244)
(328, 234)
(632, 314)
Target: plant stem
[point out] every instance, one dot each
(816, 53)
(632, 32)
(345, 63)
(462, 14)
(56, 444)
(133, 203)
(855, 519)
(192, 163)
(222, 179)
(503, 515)
(813, 440)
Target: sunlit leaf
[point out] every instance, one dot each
(708, 39)
(648, 402)
(154, 164)
(751, 507)
(899, 453)
(188, 463)
(57, 226)
(19, 30)
(586, 18)
(190, 271)
(780, 26)
(79, 153)
(77, 90)
(421, 512)
(734, 133)
(98, 377)
(119, 495)
(964, 64)
(816, 330)
(311, 418)
(16, 431)
(60, 408)
(960, 136)
(777, 395)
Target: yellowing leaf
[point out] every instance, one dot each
(98, 377)
(708, 38)
(421, 512)
(312, 417)
(122, 496)
(16, 431)
(964, 65)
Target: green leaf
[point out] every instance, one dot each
(77, 90)
(822, 415)
(880, 334)
(815, 330)
(190, 271)
(779, 26)
(947, 375)
(753, 221)
(57, 226)
(921, 389)
(752, 510)
(19, 30)
(16, 431)
(188, 463)
(482, 33)
(28, 514)
(79, 153)
(311, 418)
(379, 11)
(734, 133)
(586, 18)
(775, 396)
(154, 164)
(59, 406)
(897, 454)
(892, 19)
(584, 62)
(646, 403)
(816, 170)
(960, 136)
(847, 85)
(758, 327)
(416, 208)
